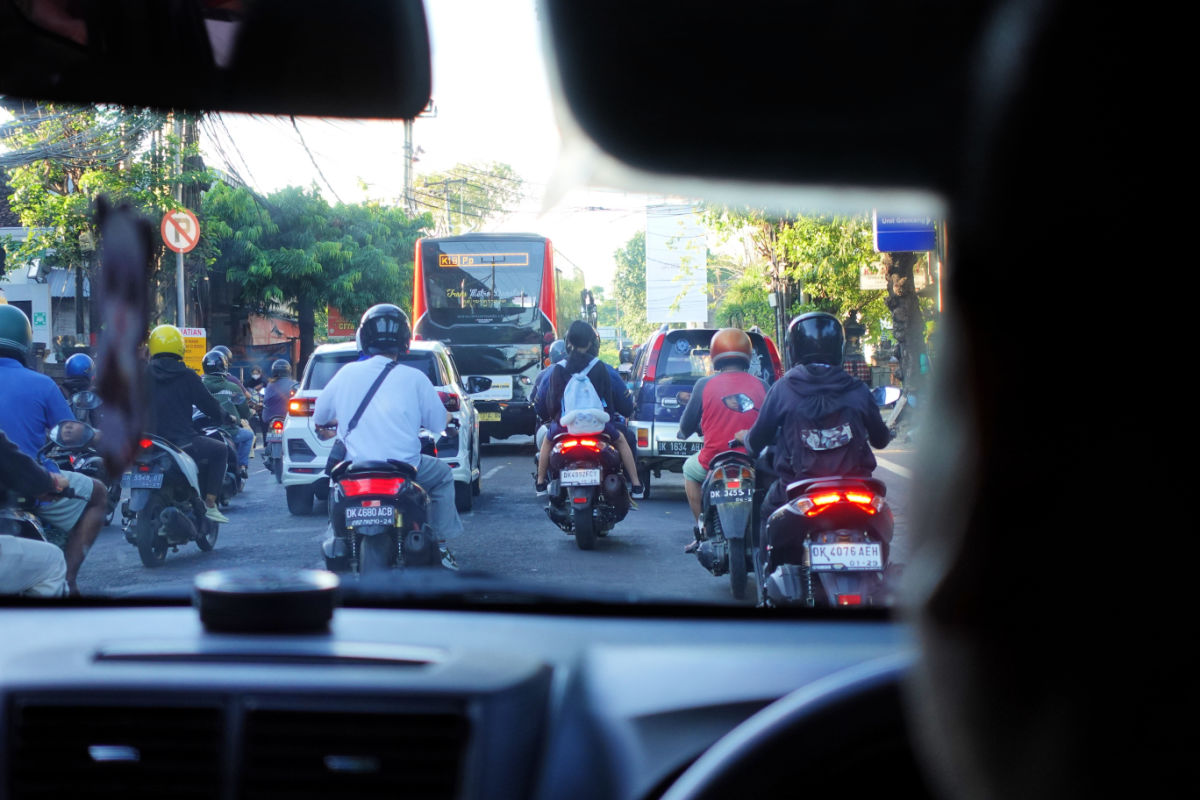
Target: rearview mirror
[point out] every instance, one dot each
(369, 58)
(72, 435)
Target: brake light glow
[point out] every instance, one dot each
(145, 443)
(643, 437)
(301, 407)
(849, 599)
(353, 487)
(733, 484)
(580, 500)
(812, 504)
(277, 425)
(586, 444)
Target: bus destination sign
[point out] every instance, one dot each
(483, 259)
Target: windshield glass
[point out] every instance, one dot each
(273, 235)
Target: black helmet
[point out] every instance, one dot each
(214, 363)
(815, 338)
(16, 333)
(383, 330)
(280, 368)
(225, 351)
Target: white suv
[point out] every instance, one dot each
(304, 454)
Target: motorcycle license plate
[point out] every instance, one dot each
(489, 416)
(142, 480)
(580, 477)
(848, 557)
(371, 515)
(274, 437)
(679, 448)
(725, 494)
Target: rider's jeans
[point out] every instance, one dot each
(438, 481)
(31, 568)
(243, 440)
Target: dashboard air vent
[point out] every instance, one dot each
(85, 751)
(300, 754)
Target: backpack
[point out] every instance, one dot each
(835, 444)
(582, 409)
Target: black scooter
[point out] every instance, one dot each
(730, 499)
(70, 446)
(232, 483)
(587, 491)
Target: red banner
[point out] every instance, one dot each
(339, 327)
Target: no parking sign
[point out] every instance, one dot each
(180, 230)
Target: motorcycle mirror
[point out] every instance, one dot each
(885, 395)
(86, 400)
(72, 434)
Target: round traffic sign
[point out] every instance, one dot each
(180, 230)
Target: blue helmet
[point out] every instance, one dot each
(80, 365)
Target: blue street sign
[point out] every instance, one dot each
(896, 233)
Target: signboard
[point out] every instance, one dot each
(337, 326)
(676, 265)
(195, 345)
(180, 230)
(896, 233)
(452, 260)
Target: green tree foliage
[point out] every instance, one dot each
(293, 249)
(470, 194)
(630, 288)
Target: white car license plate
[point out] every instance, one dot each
(849, 556)
(580, 477)
(371, 515)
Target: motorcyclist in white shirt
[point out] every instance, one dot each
(390, 425)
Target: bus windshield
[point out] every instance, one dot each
(491, 282)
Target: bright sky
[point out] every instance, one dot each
(493, 104)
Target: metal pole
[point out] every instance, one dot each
(408, 165)
(180, 294)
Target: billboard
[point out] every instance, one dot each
(676, 264)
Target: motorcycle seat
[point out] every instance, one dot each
(811, 485)
(728, 456)
(358, 467)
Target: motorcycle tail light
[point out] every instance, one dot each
(145, 443)
(277, 425)
(586, 444)
(812, 504)
(849, 599)
(353, 487)
(733, 484)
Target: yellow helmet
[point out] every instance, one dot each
(166, 339)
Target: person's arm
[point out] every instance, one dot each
(622, 397)
(203, 399)
(242, 407)
(540, 390)
(878, 433)
(763, 432)
(325, 411)
(554, 396)
(693, 412)
(22, 475)
(434, 415)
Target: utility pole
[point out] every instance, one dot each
(180, 283)
(446, 199)
(410, 156)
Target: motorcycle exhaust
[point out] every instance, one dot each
(713, 555)
(616, 495)
(178, 527)
(420, 548)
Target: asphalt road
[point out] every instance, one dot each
(507, 534)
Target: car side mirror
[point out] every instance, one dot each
(478, 383)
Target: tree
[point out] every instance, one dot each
(466, 196)
(629, 286)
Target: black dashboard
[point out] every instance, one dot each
(416, 703)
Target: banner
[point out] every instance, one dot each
(195, 345)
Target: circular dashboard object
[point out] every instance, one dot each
(266, 600)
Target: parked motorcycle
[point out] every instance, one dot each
(586, 491)
(165, 508)
(729, 499)
(232, 483)
(273, 448)
(70, 445)
(379, 517)
(828, 545)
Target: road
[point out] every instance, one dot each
(507, 534)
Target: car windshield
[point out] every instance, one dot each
(274, 234)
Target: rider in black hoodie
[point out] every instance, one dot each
(173, 390)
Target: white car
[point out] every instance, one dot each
(305, 454)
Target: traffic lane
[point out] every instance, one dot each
(260, 533)
(895, 468)
(509, 534)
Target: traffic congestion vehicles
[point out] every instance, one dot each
(1006, 119)
(490, 298)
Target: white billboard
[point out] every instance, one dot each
(676, 265)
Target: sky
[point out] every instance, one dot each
(493, 103)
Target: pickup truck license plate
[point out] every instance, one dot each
(580, 477)
(371, 515)
(679, 448)
(142, 480)
(850, 557)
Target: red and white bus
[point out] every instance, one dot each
(490, 298)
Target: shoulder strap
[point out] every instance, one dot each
(589, 366)
(367, 398)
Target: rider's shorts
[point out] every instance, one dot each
(64, 512)
(692, 469)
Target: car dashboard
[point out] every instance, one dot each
(143, 701)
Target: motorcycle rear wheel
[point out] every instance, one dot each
(585, 528)
(277, 468)
(151, 547)
(206, 538)
(376, 553)
(737, 567)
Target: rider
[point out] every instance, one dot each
(279, 391)
(721, 404)
(173, 390)
(29, 567)
(78, 374)
(30, 405)
(390, 425)
(816, 403)
(233, 403)
(582, 344)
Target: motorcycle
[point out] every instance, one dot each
(165, 508)
(232, 483)
(273, 448)
(828, 545)
(729, 499)
(69, 446)
(586, 490)
(379, 518)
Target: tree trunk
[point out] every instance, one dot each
(307, 319)
(908, 325)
